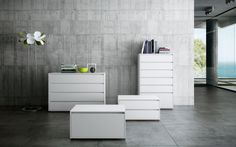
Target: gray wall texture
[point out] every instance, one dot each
(106, 32)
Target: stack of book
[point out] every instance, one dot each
(69, 68)
(163, 50)
(149, 47)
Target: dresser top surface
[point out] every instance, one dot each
(98, 108)
(138, 97)
(156, 54)
(76, 73)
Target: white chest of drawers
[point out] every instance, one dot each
(140, 107)
(65, 90)
(156, 77)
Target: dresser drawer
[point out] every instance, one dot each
(156, 81)
(142, 114)
(167, 66)
(76, 78)
(166, 99)
(156, 73)
(67, 106)
(76, 88)
(134, 104)
(85, 97)
(160, 88)
(155, 58)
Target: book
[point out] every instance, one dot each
(68, 68)
(145, 50)
(142, 50)
(163, 50)
(149, 47)
(156, 47)
(152, 46)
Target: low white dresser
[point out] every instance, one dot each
(97, 122)
(140, 107)
(65, 90)
(156, 77)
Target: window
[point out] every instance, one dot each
(227, 52)
(199, 53)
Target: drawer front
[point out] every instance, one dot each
(142, 115)
(168, 66)
(97, 125)
(160, 88)
(76, 88)
(85, 97)
(146, 105)
(166, 99)
(67, 106)
(156, 58)
(76, 78)
(156, 73)
(156, 81)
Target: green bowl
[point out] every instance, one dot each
(83, 69)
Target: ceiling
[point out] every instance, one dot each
(225, 13)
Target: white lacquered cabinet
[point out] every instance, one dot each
(140, 107)
(97, 122)
(69, 89)
(156, 77)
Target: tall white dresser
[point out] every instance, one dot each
(156, 77)
(65, 90)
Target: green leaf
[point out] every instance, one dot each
(22, 39)
(25, 42)
(22, 34)
(38, 43)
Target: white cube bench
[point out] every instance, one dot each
(140, 107)
(97, 122)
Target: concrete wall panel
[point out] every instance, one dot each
(107, 32)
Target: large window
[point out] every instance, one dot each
(227, 57)
(227, 52)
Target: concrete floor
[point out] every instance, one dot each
(232, 87)
(211, 122)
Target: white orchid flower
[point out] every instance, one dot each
(39, 37)
(30, 39)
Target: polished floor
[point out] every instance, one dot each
(210, 123)
(225, 83)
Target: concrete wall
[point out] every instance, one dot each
(106, 32)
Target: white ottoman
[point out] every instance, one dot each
(97, 121)
(140, 107)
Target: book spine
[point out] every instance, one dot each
(149, 47)
(142, 50)
(155, 47)
(145, 50)
(152, 46)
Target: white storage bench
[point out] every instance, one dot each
(97, 122)
(140, 107)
